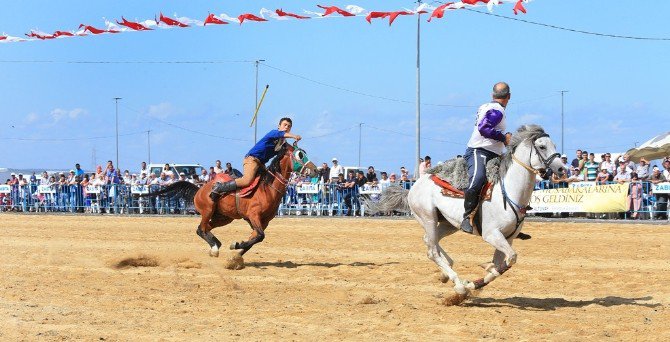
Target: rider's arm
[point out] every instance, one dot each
(292, 136)
(488, 123)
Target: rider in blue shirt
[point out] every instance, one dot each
(261, 153)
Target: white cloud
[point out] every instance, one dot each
(31, 118)
(59, 114)
(162, 110)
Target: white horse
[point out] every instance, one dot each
(530, 152)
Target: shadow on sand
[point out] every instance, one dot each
(551, 304)
(291, 264)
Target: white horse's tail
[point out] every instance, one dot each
(393, 198)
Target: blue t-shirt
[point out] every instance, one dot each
(264, 149)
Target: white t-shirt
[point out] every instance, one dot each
(336, 170)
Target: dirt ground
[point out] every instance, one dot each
(62, 278)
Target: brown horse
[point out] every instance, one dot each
(258, 209)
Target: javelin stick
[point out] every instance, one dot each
(259, 105)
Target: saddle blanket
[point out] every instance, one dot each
(244, 192)
(450, 191)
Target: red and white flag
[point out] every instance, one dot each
(334, 9)
(40, 35)
(281, 13)
(519, 7)
(171, 22)
(133, 25)
(213, 19)
(391, 15)
(249, 16)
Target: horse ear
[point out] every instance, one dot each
(295, 144)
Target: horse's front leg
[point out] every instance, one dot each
(257, 235)
(503, 259)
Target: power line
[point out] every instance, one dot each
(570, 29)
(331, 133)
(121, 62)
(410, 135)
(181, 127)
(71, 139)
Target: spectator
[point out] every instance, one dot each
(635, 196)
(111, 174)
(182, 177)
(193, 179)
(153, 180)
(98, 172)
(582, 162)
(33, 178)
(666, 169)
(218, 169)
(591, 168)
(85, 181)
(325, 173)
(165, 180)
(629, 164)
(168, 171)
(72, 178)
(661, 199)
(78, 171)
(336, 169)
(45, 179)
(642, 169)
(424, 165)
(564, 160)
(608, 165)
(230, 171)
(127, 179)
(623, 175)
(603, 177)
(385, 181)
(371, 176)
(21, 181)
(575, 162)
(575, 176)
(142, 180)
(212, 173)
(143, 168)
(403, 172)
(393, 179)
(204, 177)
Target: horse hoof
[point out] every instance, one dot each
(233, 245)
(214, 253)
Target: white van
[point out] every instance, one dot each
(188, 169)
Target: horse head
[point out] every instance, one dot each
(298, 161)
(539, 153)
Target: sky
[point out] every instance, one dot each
(337, 78)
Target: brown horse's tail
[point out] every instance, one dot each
(181, 189)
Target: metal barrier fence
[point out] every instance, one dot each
(312, 199)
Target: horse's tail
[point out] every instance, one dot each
(181, 189)
(393, 198)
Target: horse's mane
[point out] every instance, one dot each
(275, 165)
(524, 132)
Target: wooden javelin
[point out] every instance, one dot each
(259, 105)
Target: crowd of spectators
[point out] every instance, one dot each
(76, 190)
(641, 176)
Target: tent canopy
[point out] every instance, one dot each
(656, 148)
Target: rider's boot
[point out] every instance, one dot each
(221, 188)
(470, 202)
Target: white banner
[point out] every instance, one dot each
(45, 189)
(5, 189)
(139, 189)
(93, 189)
(661, 188)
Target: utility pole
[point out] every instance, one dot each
(258, 61)
(149, 144)
(116, 99)
(360, 126)
(418, 91)
(562, 122)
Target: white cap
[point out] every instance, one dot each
(334, 159)
(182, 174)
(13, 174)
(564, 156)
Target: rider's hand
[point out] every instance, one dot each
(508, 138)
(298, 137)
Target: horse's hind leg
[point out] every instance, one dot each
(433, 234)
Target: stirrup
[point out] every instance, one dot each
(466, 225)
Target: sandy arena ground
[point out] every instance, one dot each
(324, 279)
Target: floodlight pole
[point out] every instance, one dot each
(418, 92)
(116, 99)
(562, 121)
(258, 61)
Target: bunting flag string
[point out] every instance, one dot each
(349, 11)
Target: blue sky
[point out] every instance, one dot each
(617, 88)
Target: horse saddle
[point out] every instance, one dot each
(451, 191)
(244, 192)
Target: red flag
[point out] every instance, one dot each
(171, 22)
(40, 36)
(133, 25)
(392, 15)
(94, 30)
(333, 9)
(439, 11)
(519, 7)
(249, 16)
(212, 19)
(474, 2)
(3, 37)
(286, 14)
(63, 33)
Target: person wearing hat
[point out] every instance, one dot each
(335, 170)
(661, 211)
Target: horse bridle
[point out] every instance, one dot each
(278, 176)
(546, 161)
